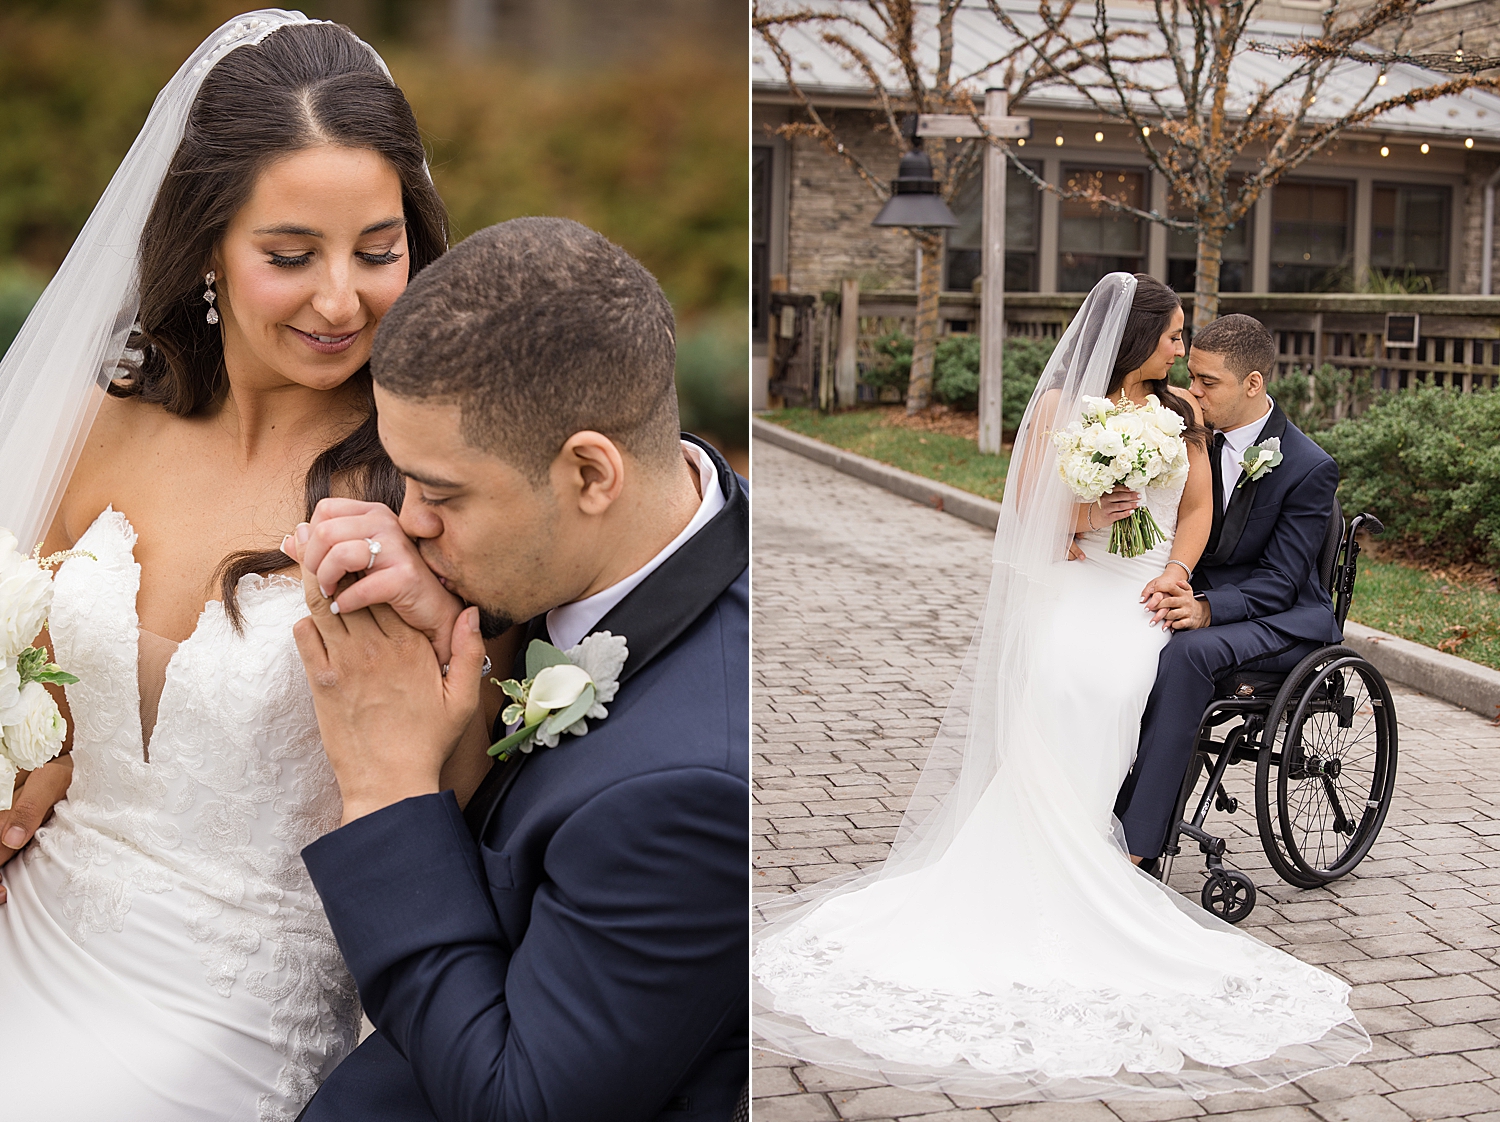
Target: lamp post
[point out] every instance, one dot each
(992, 258)
(916, 203)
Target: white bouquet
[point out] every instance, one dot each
(1136, 446)
(31, 726)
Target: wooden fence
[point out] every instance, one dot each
(1457, 337)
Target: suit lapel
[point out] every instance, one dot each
(1242, 500)
(656, 612)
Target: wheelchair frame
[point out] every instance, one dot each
(1283, 730)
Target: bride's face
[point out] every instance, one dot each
(308, 267)
(1168, 350)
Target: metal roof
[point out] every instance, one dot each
(979, 38)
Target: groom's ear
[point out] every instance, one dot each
(1258, 385)
(590, 470)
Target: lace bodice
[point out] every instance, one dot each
(235, 786)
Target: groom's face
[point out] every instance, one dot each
(492, 535)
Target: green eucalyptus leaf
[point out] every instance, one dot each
(541, 655)
(55, 676)
(564, 718)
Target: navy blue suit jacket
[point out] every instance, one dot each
(1262, 557)
(585, 958)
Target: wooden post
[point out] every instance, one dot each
(847, 377)
(992, 288)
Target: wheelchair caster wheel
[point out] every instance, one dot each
(1228, 894)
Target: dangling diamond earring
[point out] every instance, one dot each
(210, 296)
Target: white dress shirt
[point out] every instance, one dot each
(568, 624)
(1235, 443)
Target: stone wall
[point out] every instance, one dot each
(830, 236)
(1477, 168)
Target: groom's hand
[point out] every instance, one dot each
(1177, 607)
(388, 716)
(335, 545)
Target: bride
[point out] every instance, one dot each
(1008, 949)
(163, 955)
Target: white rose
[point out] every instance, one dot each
(1128, 425)
(10, 682)
(1107, 442)
(554, 688)
(25, 598)
(32, 728)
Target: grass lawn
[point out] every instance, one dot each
(1454, 616)
(950, 459)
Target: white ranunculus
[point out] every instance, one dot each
(32, 728)
(25, 598)
(1104, 442)
(554, 688)
(7, 779)
(1128, 425)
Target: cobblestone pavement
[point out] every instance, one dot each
(864, 607)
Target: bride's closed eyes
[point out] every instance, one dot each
(388, 257)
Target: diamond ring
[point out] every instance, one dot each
(374, 548)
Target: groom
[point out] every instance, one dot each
(573, 945)
(1255, 597)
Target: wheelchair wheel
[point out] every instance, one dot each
(1327, 767)
(1228, 894)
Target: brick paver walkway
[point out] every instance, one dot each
(864, 607)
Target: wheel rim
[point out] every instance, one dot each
(1337, 769)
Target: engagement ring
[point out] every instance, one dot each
(374, 547)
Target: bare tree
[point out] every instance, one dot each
(1197, 118)
(913, 41)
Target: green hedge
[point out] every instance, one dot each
(1426, 462)
(955, 371)
(18, 292)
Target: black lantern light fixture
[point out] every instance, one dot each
(916, 197)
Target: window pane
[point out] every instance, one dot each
(1310, 237)
(1409, 231)
(1093, 228)
(966, 240)
(1182, 247)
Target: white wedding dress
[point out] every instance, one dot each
(163, 955)
(1032, 960)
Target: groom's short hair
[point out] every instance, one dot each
(538, 328)
(1243, 342)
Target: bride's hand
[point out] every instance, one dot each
(1117, 504)
(1170, 584)
(32, 806)
(335, 545)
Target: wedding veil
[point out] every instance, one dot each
(53, 377)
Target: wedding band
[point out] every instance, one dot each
(374, 548)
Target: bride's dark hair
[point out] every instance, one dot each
(303, 86)
(1150, 312)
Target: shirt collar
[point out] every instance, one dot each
(568, 624)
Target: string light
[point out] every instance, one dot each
(1059, 142)
(1145, 130)
(1021, 142)
(1380, 81)
(1384, 151)
(1099, 138)
(1426, 148)
(1468, 142)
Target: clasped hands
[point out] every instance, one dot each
(394, 660)
(1172, 603)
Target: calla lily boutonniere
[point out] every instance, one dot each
(562, 692)
(1259, 459)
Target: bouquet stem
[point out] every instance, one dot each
(1133, 536)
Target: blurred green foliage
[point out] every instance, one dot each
(1314, 400)
(955, 370)
(19, 289)
(650, 151)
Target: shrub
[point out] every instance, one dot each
(1426, 462)
(1315, 401)
(712, 392)
(1025, 359)
(955, 372)
(18, 292)
(893, 366)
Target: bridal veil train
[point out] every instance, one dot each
(1007, 949)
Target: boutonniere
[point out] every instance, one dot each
(1259, 459)
(562, 692)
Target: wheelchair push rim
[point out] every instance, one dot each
(1329, 759)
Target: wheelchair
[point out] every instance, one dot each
(1322, 738)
